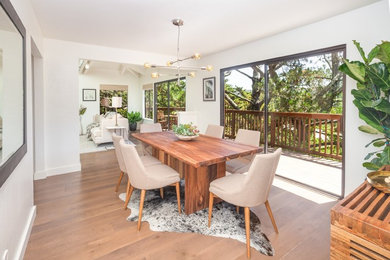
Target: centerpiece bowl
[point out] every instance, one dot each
(186, 132)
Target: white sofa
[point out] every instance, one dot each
(101, 134)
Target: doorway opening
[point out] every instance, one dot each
(297, 103)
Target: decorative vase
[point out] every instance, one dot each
(133, 126)
(186, 137)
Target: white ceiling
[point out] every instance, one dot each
(209, 25)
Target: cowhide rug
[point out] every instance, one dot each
(162, 215)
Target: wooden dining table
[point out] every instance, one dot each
(199, 161)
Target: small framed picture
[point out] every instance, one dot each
(209, 89)
(89, 94)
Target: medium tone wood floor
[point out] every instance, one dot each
(79, 216)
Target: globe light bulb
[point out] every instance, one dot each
(209, 68)
(155, 75)
(196, 56)
(192, 74)
(147, 65)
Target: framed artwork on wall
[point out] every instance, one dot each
(209, 89)
(89, 94)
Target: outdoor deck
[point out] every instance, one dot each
(316, 172)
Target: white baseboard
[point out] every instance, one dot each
(39, 175)
(26, 234)
(57, 171)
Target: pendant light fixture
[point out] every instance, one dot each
(177, 64)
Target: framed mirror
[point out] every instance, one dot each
(12, 90)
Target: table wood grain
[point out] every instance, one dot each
(198, 161)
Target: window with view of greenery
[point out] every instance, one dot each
(149, 103)
(304, 102)
(108, 94)
(171, 98)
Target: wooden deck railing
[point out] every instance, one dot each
(162, 116)
(310, 133)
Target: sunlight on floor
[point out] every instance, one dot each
(318, 175)
(303, 192)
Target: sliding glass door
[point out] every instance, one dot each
(296, 102)
(170, 97)
(244, 100)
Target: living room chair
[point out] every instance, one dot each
(214, 131)
(147, 178)
(248, 137)
(146, 160)
(248, 190)
(149, 128)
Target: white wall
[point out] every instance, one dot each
(62, 125)
(369, 25)
(96, 77)
(16, 194)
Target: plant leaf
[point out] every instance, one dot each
(369, 116)
(377, 139)
(361, 51)
(373, 53)
(379, 143)
(354, 69)
(369, 155)
(361, 94)
(381, 105)
(368, 129)
(384, 52)
(379, 74)
(371, 166)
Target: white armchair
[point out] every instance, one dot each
(101, 134)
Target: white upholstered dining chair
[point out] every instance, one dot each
(147, 178)
(214, 131)
(149, 128)
(146, 160)
(248, 190)
(248, 137)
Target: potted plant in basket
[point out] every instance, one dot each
(133, 118)
(186, 132)
(372, 100)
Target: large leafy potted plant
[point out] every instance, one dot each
(372, 99)
(133, 118)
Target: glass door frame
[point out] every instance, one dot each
(266, 63)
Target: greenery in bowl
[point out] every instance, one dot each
(186, 130)
(372, 99)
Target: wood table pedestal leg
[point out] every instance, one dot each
(197, 183)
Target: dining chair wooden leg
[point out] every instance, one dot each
(238, 209)
(178, 196)
(128, 194)
(247, 230)
(271, 216)
(141, 206)
(211, 202)
(162, 193)
(119, 182)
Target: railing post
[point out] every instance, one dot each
(234, 124)
(272, 129)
